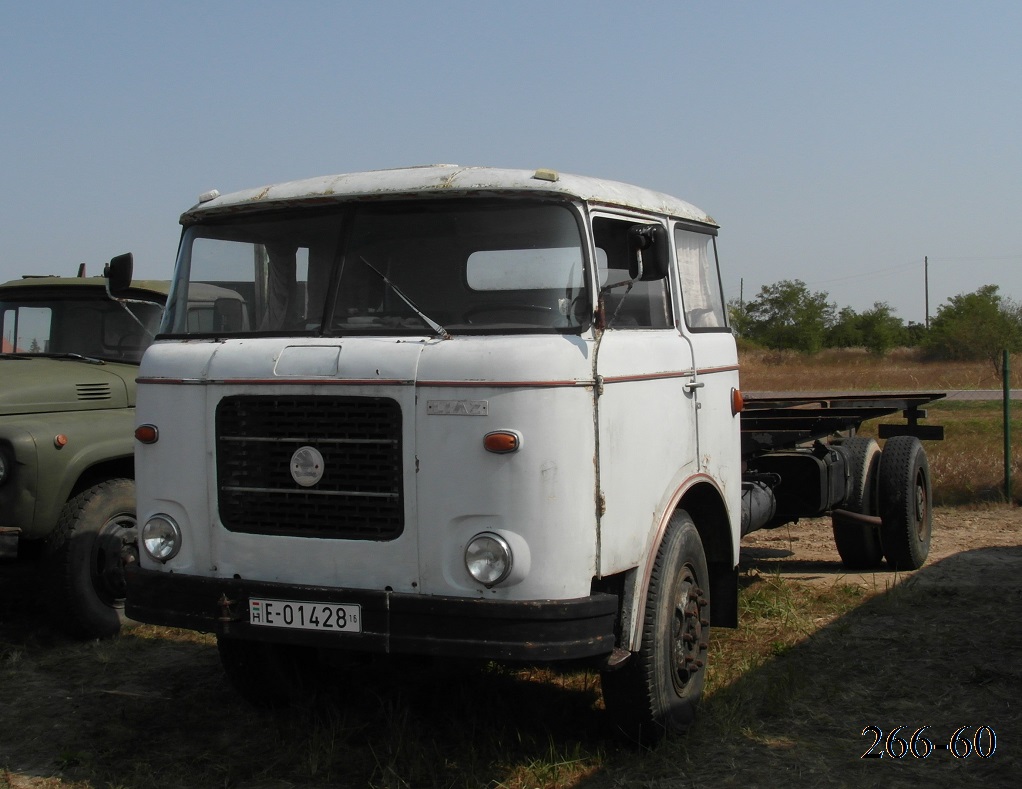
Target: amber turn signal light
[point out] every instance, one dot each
(502, 441)
(147, 434)
(737, 402)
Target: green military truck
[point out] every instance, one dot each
(70, 355)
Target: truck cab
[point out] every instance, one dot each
(70, 355)
(446, 411)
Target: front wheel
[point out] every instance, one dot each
(657, 691)
(84, 559)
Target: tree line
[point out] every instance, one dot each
(969, 326)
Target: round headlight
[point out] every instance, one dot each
(488, 558)
(161, 538)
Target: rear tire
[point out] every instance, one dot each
(905, 503)
(859, 545)
(84, 560)
(657, 690)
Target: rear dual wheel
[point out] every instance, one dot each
(859, 544)
(905, 503)
(894, 485)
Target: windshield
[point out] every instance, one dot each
(435, 267)
(93, 326)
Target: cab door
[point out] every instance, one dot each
(703, 322)
(646, 404)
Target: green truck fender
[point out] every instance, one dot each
(47, 472)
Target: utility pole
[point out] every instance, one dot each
(926, 287)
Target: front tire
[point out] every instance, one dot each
(905, 503)
(84, 559)
(657, 690)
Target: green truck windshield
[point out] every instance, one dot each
(77, 324)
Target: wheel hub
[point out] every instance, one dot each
(117, 536)
(920, 507)
(689, 634)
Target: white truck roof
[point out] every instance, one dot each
(444, 179)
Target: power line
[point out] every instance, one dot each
(904, 267)
(908, 266)
(979, 257)
(888, 270)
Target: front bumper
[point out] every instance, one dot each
(532, 630)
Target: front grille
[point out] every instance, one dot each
(359, 496)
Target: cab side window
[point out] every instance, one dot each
(642, 305)
(700, 282)
(26, 329)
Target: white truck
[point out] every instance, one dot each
(471, 412)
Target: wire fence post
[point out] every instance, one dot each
(1006, 375)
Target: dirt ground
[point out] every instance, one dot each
(805, 551)
(945, 654)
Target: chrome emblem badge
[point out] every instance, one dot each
(307, 466)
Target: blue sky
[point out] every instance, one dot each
(836, 143)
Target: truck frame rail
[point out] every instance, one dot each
(779, 420)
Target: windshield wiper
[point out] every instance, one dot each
(440, 330)
(76, 356)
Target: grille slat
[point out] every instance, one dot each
(307, 440)
(360, 494)
(238, 489)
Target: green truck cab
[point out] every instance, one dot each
(70, 354)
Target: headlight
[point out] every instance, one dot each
(488, 558)
(161, 538)
(3, 468)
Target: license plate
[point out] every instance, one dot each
(327, 617)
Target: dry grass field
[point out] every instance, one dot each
(968, 467)
(794, 694)
(855, 370)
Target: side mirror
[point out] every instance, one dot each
(650, 253)
(118, 274)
